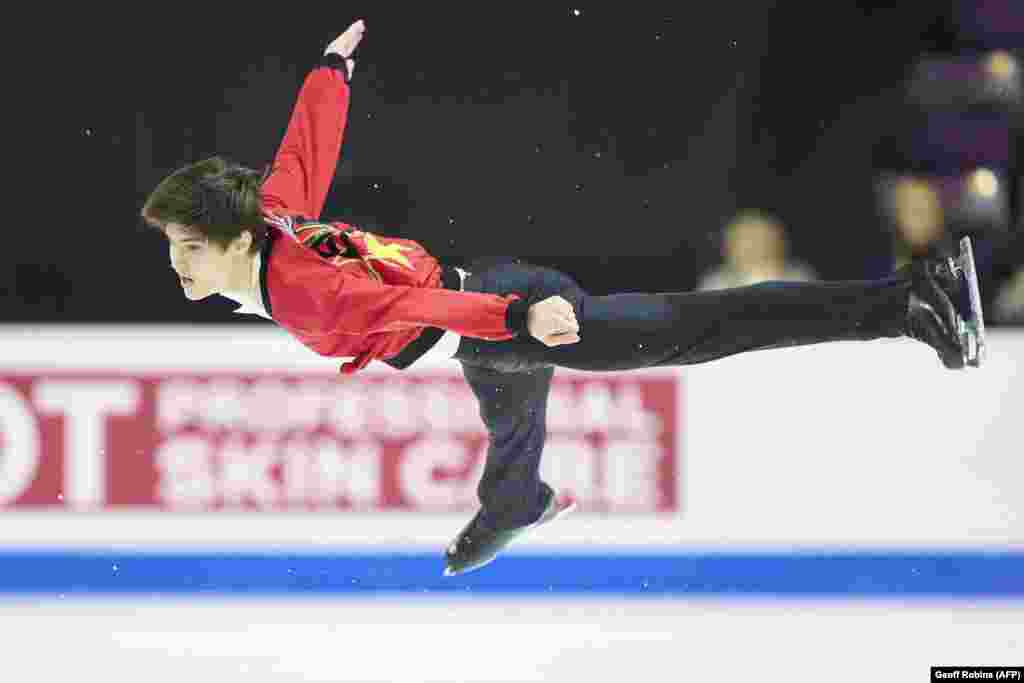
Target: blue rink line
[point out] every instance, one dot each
(957, 575)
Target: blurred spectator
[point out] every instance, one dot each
(755, 249)
(989, 23)
(1008, 307)
(919, 219)
(924, 217)
(1007, 282)
(978, 80)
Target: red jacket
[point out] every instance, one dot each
(339, 290)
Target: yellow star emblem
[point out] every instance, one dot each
(390, 252)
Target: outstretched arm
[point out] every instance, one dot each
(359, 307)
(308, 155)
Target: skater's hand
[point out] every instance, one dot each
(553, 322)
(345, 44)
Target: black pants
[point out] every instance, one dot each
(511, 379)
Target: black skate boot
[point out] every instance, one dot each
(944, 307)
(932, 316)
(476, 545)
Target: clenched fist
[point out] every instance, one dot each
(553, 322)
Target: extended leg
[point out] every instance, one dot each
(625, 331)
(638, 330)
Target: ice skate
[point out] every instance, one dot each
(944, 309)
(962, 273)
(476, 546)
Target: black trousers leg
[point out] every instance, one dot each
(634, 330)
(513, 406)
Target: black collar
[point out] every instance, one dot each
(264, 260)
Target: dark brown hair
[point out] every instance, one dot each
(216, 197)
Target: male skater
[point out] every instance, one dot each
(350, 294)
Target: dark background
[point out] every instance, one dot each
(611, 144)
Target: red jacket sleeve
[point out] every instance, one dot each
(355, 306)
(305, 163)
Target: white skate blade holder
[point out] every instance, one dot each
(972, 331)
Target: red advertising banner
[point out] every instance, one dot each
(280, 441)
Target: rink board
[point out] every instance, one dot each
(844, 470)
(956, 575)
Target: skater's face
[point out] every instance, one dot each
(203, 267)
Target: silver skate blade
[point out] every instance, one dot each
(974, 329)
(448, 571)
